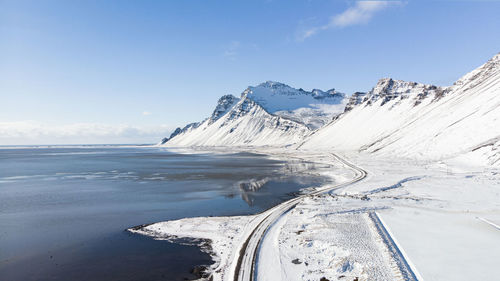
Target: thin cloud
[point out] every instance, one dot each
(231, 50)
(146, 113)
(32, 132)
(361, 13)
(234, 49)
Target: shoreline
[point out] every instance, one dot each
(254, 219)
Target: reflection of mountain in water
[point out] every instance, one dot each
(249, 187)
(253, 185)
(295, 174)
(302, 170)
(298, 166)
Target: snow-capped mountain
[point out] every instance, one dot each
(314, 109)
(424, 121)
(271, 113)
(394, 118)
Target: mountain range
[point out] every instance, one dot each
(395, 117)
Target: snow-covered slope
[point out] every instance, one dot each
(395, 118)
(269, 114)
(423, 121)
(224, 104)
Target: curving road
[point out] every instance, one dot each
(245, 266)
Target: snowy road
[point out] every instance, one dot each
(246, 265)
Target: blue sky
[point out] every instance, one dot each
(131, 71)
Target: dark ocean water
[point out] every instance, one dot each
(64, 210)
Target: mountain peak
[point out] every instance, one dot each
(392, 86)
(496, 57)
(273, 85)
(223, 105)
(388, 89)
(391, 81)
(490, 69)
(278, 88)
(275, 96)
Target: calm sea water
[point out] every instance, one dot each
(64, 210)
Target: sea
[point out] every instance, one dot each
(64, 210)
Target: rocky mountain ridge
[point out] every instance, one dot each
(422, 121)
(291, 113)
(395, 117)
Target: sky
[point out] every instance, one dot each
(92, 71)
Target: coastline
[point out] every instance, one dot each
(224, 242)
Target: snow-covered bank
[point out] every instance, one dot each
(226, 235)
(221, 234)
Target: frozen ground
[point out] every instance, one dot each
(325, 237)
(442, 213)
(441, 217)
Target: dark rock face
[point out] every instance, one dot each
(355, 99)
(200, 272)
(332, 93)
(388, 89)
(224, 104)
